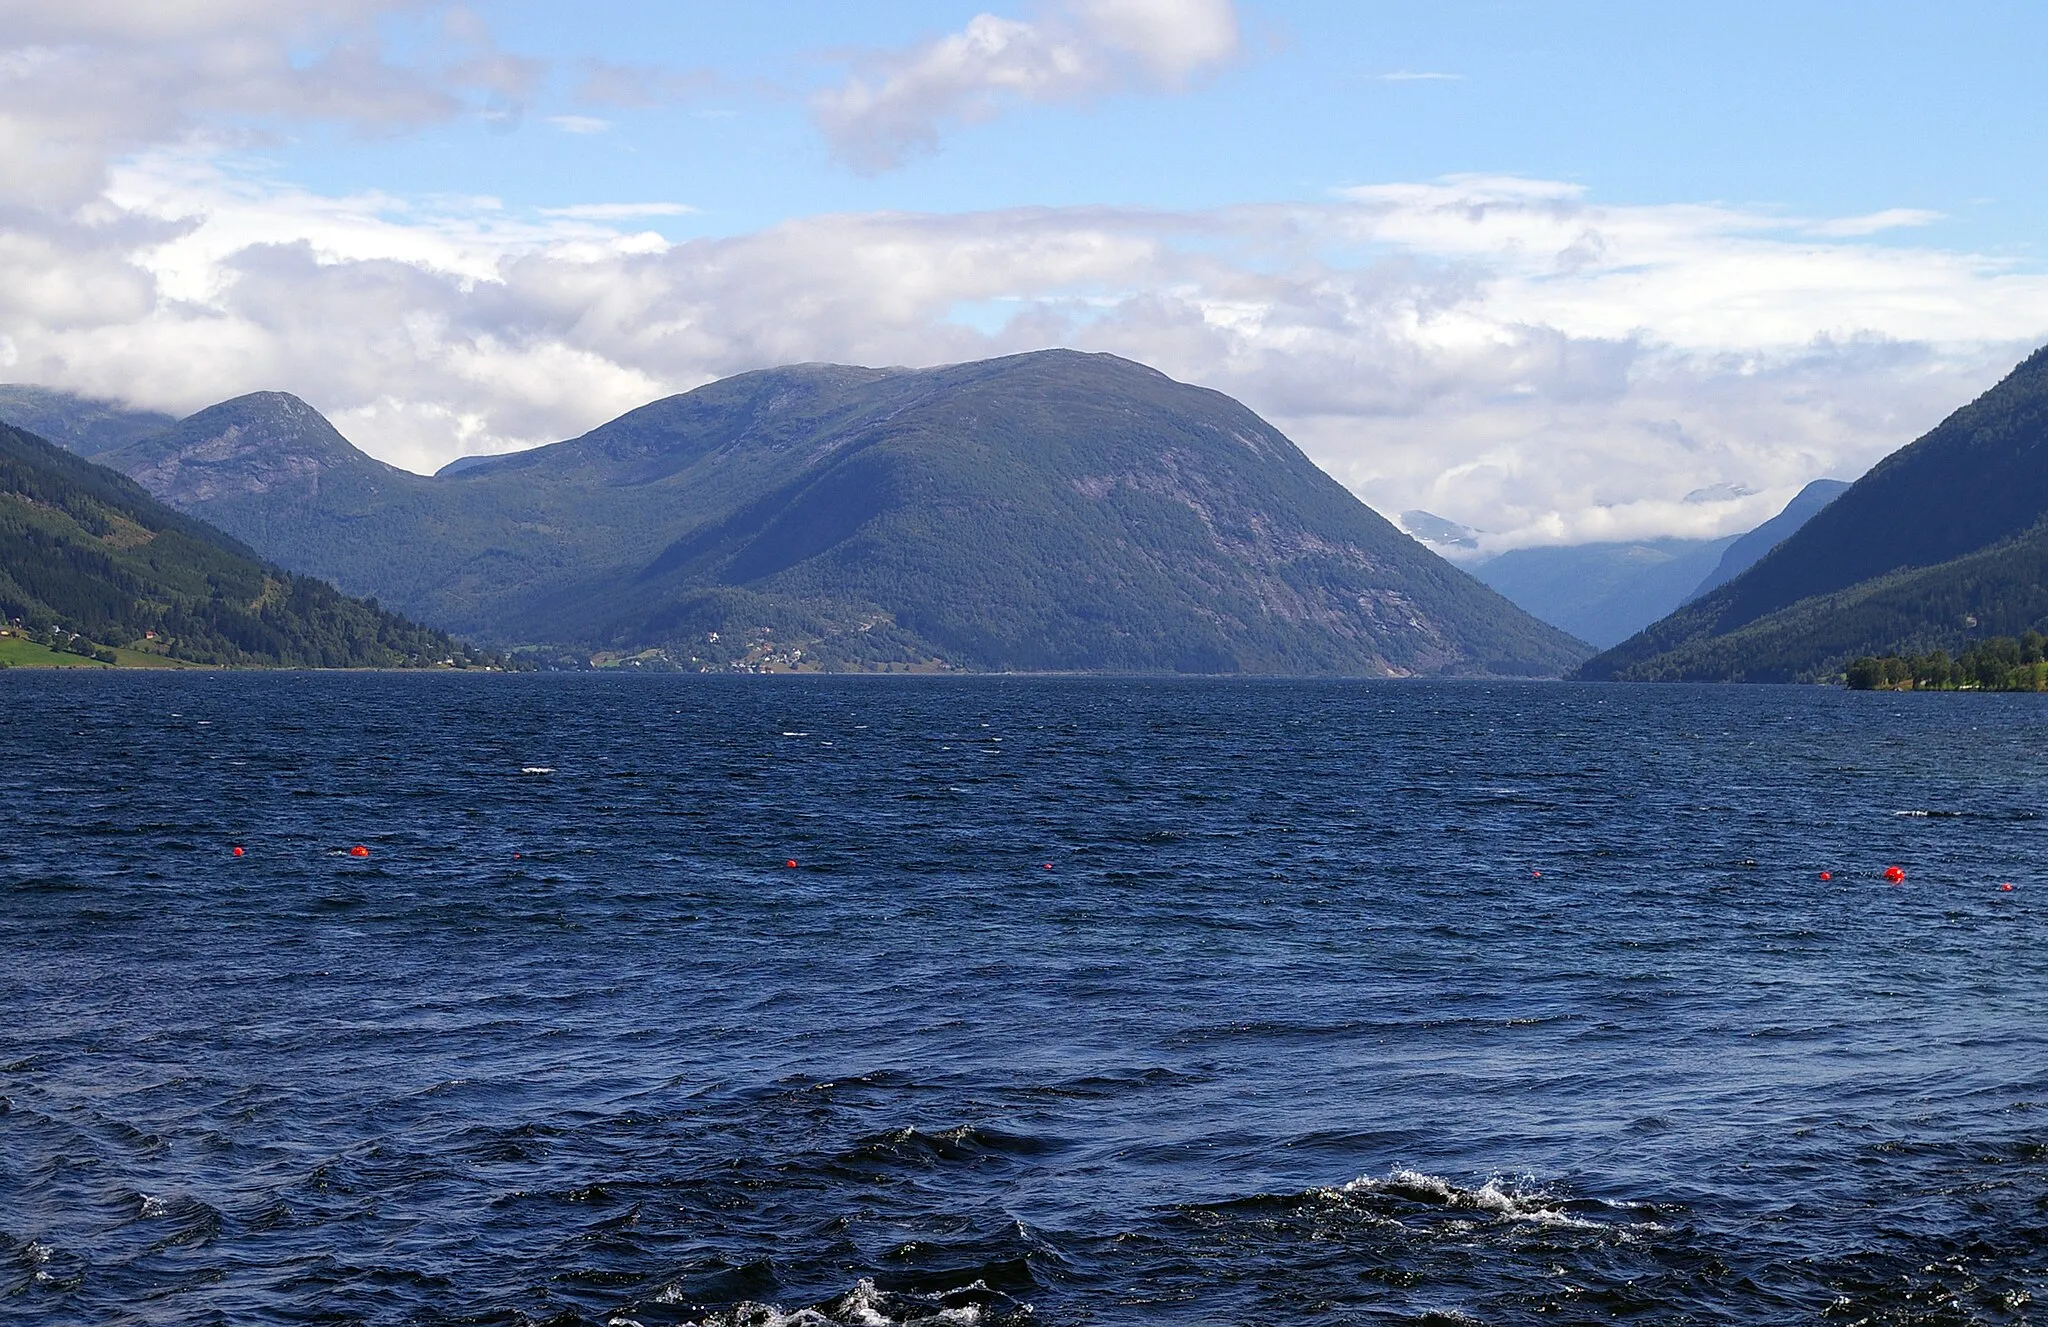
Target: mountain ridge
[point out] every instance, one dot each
(1053, 510)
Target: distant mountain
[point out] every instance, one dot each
(1439, 532)
(82, 424)
(1937, 543)
(1749, 549)
(1603, 593)
(268, 445)
(1045, 511)
(84, 550)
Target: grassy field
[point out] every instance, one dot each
(20, 652)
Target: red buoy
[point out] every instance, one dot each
(359, 851)
(791, 863)
(2007, 888)
(1827, 875)
(238, 850)
(1895, 874)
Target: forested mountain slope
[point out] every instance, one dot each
(84, 550)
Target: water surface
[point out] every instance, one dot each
(1091, 1002)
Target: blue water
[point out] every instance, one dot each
(1292, 1030)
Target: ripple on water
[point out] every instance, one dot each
(1344, 1002)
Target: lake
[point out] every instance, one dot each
(669, 1000)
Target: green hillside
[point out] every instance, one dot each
(1939, 545)
(1045, 511)
(91, 566)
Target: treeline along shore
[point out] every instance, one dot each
(1996, 663)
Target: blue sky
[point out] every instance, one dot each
(1546, 268)
(1827, 108)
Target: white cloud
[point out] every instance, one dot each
(901, 101)
(579, 124)
(86, 83)
(1507, 353)
(1891, 218)
(619, 211)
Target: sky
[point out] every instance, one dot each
(1562, 271)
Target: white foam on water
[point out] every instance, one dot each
(153, 1206)
(862, 1306)
(536, 769)
(1493, 1197)
(39, 1255)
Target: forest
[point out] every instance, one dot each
(1997, 663)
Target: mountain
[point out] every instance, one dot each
(1938, 542)
(1603, 593)
(1053, 511)
(82, 424)
(1749, 549)
(1440, 532)
(85, 552)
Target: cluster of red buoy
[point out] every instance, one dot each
(1897, 875)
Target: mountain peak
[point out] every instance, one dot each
(261, 443)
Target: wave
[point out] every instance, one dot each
(867, 1305)
(1495, 1197)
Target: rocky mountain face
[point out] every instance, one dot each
(268, 445)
